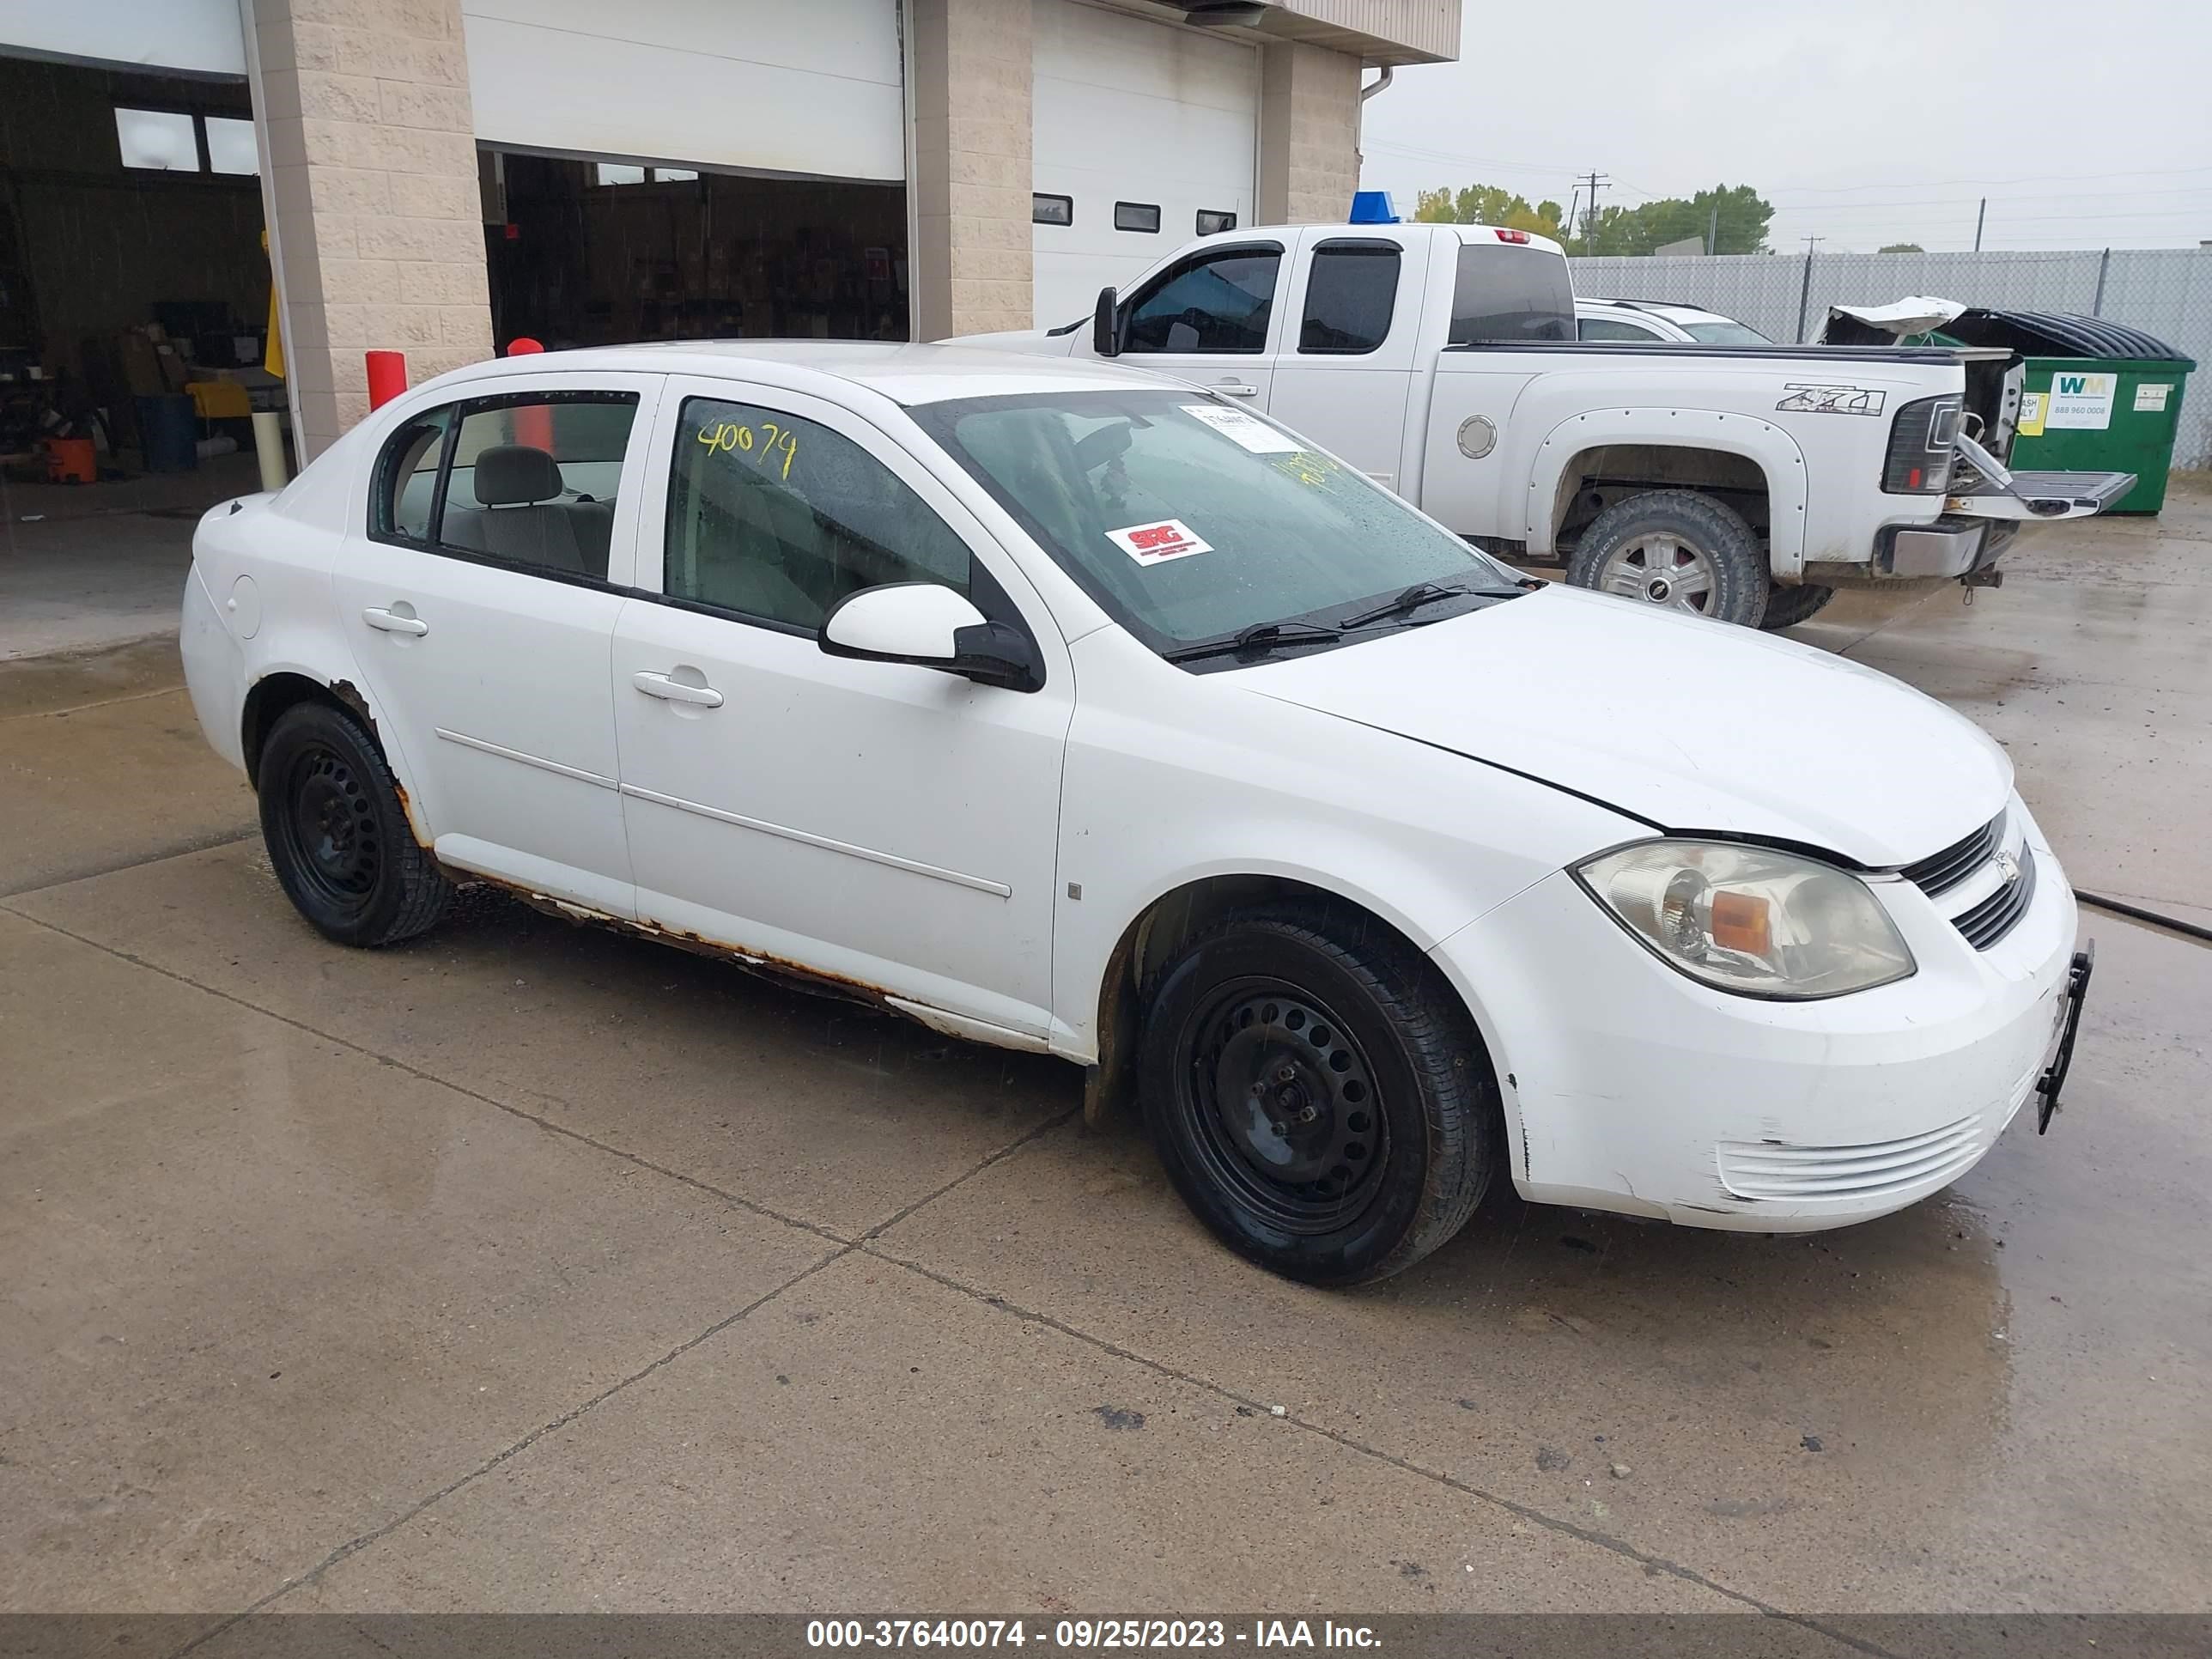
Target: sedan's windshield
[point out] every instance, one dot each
(1192, 520)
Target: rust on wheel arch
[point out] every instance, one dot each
(356, 705)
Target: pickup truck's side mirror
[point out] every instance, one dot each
(1105, 325)
(930, 626)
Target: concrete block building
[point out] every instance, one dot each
(440, 177)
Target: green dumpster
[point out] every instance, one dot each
(2098, 396)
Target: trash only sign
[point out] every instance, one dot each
(2080, 399)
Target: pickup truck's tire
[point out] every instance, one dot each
(1677, 549)
(1318, 1093)
(1788, 606)
(337, 835)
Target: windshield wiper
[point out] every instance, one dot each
(1421, 593)
(1258, 639)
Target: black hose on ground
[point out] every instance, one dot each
(2152, 918)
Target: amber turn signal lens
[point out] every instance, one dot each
(1742, 922)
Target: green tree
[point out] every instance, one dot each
(1903, 247)
(1488, 205)
(1737, 212)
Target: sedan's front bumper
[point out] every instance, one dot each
(1630, 1087)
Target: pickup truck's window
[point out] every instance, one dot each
(1352, 290)
(1189, 520)
(1605, 328)
(1511, 295)
(776, 518)
(1216, 301)
(531, 479)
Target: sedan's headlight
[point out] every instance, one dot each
(1748, 920)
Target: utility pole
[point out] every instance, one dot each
(1589, 213)
(1805, 293)
(1980, 214)
(1712, 228)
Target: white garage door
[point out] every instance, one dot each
(1144, 115)
(801, 86)
(201, 36)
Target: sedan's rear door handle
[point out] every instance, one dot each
(659, 685)
(391, 622)
(1234, 390)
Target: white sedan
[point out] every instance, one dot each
(1066, 707)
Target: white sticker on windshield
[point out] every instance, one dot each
(1157, 543)
(1254, 434)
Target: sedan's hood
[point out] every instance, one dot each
(1688, 724)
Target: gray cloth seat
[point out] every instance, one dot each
(520, 517)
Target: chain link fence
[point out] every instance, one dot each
(2165, 292)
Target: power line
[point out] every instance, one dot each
(2028, 179)
(1472, 160)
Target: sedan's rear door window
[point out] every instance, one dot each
(531, 479)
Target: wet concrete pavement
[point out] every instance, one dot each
(527, 1267)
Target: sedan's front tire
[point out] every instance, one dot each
(1318, 1094)
(337, 835)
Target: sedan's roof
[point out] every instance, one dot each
(905, 374)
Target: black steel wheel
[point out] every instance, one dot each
(337, 836)
(1283, 1102)
(1317, 1093)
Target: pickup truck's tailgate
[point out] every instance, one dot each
(2041, 495)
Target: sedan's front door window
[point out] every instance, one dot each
(777, 518)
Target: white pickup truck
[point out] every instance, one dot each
(1743, 483)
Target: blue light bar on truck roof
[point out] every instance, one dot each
(1373, 207)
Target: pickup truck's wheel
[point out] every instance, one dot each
(336, 834)
(1788, 606)
(1678, 548)
(1318, 1094)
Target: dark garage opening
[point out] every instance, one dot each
(593, 252)
(131, 262)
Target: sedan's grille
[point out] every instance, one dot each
(1986, 923)
(1768, 1170)
(1941, 871)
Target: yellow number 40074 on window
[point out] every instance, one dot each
(763, 445)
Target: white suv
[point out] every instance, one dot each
(1651, 322)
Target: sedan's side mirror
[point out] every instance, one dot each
(1105, 325)
(930, 626)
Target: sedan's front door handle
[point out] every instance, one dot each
(391, 622)
(1238, 390)
(659, 685)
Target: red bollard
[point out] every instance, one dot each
(533, 422)
(387, 376)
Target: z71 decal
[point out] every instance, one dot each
(1831, 400)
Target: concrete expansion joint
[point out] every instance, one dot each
(1656, 1566)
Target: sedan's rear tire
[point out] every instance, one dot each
(336, 835)
(1678, 550)
(1318, 1093)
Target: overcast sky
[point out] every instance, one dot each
(1862, 121)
